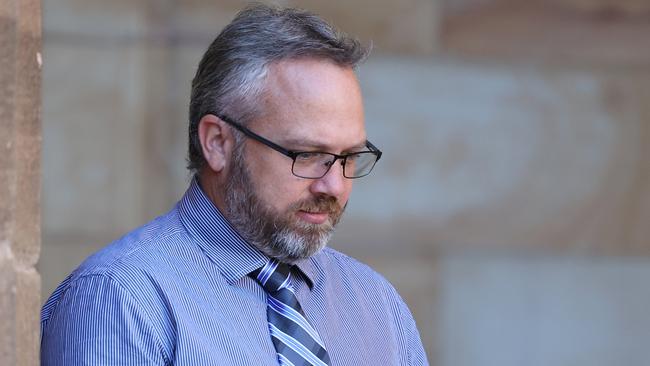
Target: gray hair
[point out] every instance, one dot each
(230, 77)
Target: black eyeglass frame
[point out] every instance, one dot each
(294, 154)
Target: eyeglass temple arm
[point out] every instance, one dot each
(276, 147)
(257, 137)
(374, 149)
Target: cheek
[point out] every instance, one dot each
(269, 172)
(279, 190)
(345, 196)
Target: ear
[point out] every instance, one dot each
(216, 141)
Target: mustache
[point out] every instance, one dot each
(326, 204)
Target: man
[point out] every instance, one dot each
(238, 272)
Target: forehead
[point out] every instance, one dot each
(313, 100)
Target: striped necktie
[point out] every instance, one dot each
(295, 340)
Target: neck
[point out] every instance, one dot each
(212, 186)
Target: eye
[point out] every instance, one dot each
(354, 156)
(306, 157)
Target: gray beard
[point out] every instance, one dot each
(276, 234)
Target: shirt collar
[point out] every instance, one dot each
(309, 269)
(221, 243)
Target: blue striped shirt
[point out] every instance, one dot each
(176, 292)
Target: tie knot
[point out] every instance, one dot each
(274, 276)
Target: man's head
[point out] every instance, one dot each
(284, 79)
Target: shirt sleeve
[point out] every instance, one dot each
(415, 351)
(98, 322)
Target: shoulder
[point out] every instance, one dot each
(351, 272)
(364, 291)
(120, 287)
(139, 248)
(130, 266)
(93, 313)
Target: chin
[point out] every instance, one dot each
(290, 247)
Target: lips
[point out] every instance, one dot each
(313, 217)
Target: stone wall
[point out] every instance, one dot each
(20, 149)
(512, 201)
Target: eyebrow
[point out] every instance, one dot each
(317, 145)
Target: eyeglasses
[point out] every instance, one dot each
(315, 164)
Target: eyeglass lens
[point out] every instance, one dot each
(316, 165)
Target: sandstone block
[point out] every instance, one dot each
(598, 33)
(198, 22)
(394, 27)
(7, 309)
(96, 177)
(20, 36)
(499, 158)
(623, 7)
(83, 20)
(548, 310)
(8, 37)
(27, 135)
(20, 308)
(27, 310)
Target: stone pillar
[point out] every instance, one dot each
(20, 148)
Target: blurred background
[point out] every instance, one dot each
(511, 208)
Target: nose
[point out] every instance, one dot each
(333, 183)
